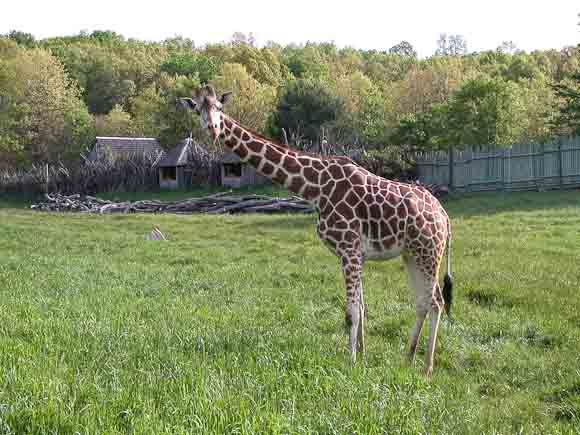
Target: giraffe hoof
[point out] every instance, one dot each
(429, 371)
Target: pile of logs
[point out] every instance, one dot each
(215, 204)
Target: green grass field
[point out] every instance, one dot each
(236, 325)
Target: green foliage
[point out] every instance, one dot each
(198, 65)
(262, 64)
(106, 36)
(110, 72)
(568, 119)
(115, 123)
(500, 112)
(423, 130)
(362, 118)
(358, 96)
(304, 108)
(307, 62)
(45, 119)
(451, 45)
(252, 101)
(403, 48)
(157, 114)
(483, 111)
(22, 38)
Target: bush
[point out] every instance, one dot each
(136, 173)
(393, 163)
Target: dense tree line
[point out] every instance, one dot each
(56, 94)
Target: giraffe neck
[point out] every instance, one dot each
(298, 172)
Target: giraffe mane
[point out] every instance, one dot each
(281, 147)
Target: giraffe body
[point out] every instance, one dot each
(361, 217)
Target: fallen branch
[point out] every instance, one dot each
(215, 204)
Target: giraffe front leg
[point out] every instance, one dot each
(415, 333)
(352, 270)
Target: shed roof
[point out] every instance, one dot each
(230, 157)
(125, 146)
(182, 154)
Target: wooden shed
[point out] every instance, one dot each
(186, 165)
(235, 173)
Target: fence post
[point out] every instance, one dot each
(509, 168)
(503, 152)
(542, 168)
(451, 163)
(46, 178)
(560, 166)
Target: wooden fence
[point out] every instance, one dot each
(520, 167)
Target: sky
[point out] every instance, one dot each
(365, 24)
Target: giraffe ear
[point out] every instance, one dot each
(188, 103)
(226, 96)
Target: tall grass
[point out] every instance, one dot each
(235, 325)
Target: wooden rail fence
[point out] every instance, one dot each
(554, 165)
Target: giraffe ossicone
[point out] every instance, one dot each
(361, 217)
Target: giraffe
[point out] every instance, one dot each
(360, 217)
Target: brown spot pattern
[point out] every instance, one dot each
(354, 204)
(255, 146)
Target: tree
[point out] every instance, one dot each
(508, 47)
(424, 130)
(252, 101)
(434, 81)
(366, 93)
(10, 143)
(106, 36)
(305, 107)
(108, 69)
(23, 39)
(567, 120)
(403, 48)
(485, 112)
(261, 63)
(242, 38)
(451, 45)
(178, 43)
(47, 119)
(147, 110)
(363, 111)
(156, 112)
(115, 123)
(192, 64)
(307, 62)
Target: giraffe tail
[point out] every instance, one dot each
(448, 280)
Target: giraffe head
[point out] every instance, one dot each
(209, 108)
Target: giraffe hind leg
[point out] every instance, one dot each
(428, 299)
(354, 323)
(415, 333)
(352, 270)
(361, 344)
(434, 317)
(415, 280)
